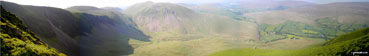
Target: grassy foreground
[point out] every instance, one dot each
(342, 46)
(17, 40)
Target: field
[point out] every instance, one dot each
(342, 45)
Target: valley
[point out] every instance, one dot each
(241, 28)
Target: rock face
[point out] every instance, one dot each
(17, 40)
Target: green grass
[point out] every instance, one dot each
(343, 45)
(17, 40)
(309, 31)
(251, 52)
(294, 36)
(352, 35)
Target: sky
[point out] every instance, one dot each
(127, 3)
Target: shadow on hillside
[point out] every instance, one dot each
(95, 35)
(102, 36)
(109, 40)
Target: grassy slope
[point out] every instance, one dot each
(111, 16)
(215, 9)
(326, 28)
(238, 8)
(346, 12)
(342, 45)
(113, 13)
(267, 4)
(40, 19)
(172, 26)
(107, 27)
(17, 40)
(108, 30)
(104, 36)
(37, 16)
(166, 18)
(220, 32)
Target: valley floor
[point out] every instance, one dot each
(208, 45)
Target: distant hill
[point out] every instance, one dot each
(319, 21)
(217, 9)
(270, 4)
(179, 29)
(113, 9)
(176, 19)
(112, 12)
(17, 40)
(345, 12)
(259, 27)
(237, 8)
(93, 10)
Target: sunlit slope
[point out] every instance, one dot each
(57, 27)
(179, 31)
(166, 18)
(38, 16)
(326, 28)
(350, 36)
(342, 45)
(17, 40)
(324, 21)
(78, 33)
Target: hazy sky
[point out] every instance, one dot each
(126, 3)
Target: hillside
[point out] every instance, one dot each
(181, 31)
(17, 40)
(101, 33)
(270, 4)
(217, 9)
(339, 46)
(318, 21)
(228, 28)
(94, 11)
(175, 19)
(241, 7)
(80, 32)
(40, 20)
(345, 12)
(107, 28)
(112, 12)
